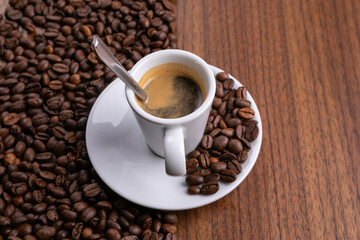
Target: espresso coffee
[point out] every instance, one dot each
(174, 90)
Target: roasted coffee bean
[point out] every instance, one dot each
(192, 165)
(43, 65)
(68, 215)
(40, 118)
(76, 231)
(87, 214)
(245, 143)
(238, 131)
(46, 175)
(242, 103)
(202, 172)
(228, 132)
(219, 90)
(18, 176)
(37, 196)
(43, 158)
(113, 234)
(246, 113)
(46, 233)
(92, 190)
(39, 208)
(52, 215)
(19, 189)
(194, 190)
(58, 192)
(218, 166)
(214, 177)
(59, 132)
(243, 156)
(14, 14)
(251, 133)
(234, 166)
(216, 102)
(130, 237)
(135, 230)
(217, 119)
(241, 92)
(18, 106)
(13, 237)
(169, 228)
(34, 102)
(170, 218)
(55, 85)
(214, 133)
(11, 119)
(4, 221)
(226, 157)
(210, 188)
(204, 161)
(228, 84)
(53, 104)
(222, 124)
(220, 142)
(80, 206)
(234, 122)
(222, 76)
(24, 229)
(251, 122)
(235, 146)
(209, 127)
(194, 180)
(228, 175)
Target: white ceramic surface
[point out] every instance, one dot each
(118, 152)
(173, 138)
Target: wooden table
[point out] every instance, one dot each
(301, 63)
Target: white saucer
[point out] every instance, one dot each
(119, 154)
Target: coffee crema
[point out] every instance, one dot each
(174, 90)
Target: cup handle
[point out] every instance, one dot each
(174, 151)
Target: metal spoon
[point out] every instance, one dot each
(105, 55)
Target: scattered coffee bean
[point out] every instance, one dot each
(218, 166)
(206, 142)
(227, 156)
(192, 165)
(235, 146)
(227, 175)
(204, 161)
(222, 76)
(234, 166)
(220, 143)
(194, 180)
(226, 141)
(246, 113)
(212, 177)
(210, 188)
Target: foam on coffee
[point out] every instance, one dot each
(174, 90)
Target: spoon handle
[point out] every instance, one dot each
(104, 53)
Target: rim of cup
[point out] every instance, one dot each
(207, 75)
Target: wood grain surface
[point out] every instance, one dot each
(300, 60)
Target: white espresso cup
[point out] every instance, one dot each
(173, 139)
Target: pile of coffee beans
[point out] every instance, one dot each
(226, 142)
(49, 80)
